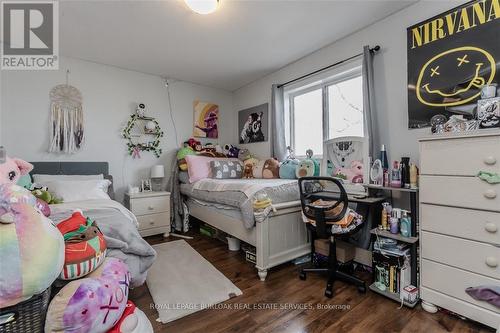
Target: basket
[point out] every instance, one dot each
(27, 316)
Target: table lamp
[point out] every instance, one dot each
(157, 173)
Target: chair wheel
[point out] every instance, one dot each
(362, 289)
(302, 276)
(329, 293)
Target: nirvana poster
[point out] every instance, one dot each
(450, 57)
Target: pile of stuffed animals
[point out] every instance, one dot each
(34, 253)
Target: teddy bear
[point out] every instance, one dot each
(248, 171)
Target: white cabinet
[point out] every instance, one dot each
(460, 222)
(152, 210)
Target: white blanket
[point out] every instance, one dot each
(248, 186)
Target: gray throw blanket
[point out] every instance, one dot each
(178, 216)
(119, 227)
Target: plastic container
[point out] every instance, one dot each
(233, 243)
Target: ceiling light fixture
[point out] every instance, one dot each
(202, 6)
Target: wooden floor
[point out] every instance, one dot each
(348, 311)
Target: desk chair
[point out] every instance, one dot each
(333, 209)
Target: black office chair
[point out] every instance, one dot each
(331, 191)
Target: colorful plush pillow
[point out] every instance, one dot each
(85, 247)
(307, 168)
(93, 304)
(181, 157)
(226, 169)
(133, 320)
(271, 169)
(288, 169)
(199, 166)
(31, 247)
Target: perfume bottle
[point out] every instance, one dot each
(396, 175)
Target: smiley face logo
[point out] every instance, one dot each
(455, 77)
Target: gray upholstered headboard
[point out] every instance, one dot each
(75, 168)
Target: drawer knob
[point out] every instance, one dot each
(151, 208)
(490, 194)
(490, 160)
(491, 227)
(151, 222)
(492, 262)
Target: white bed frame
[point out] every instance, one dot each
(281, 237)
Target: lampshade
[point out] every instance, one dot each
(157, 171)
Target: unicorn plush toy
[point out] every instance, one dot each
(31, 247)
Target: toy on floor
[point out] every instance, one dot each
(133, 320)
(31, 247)
(308, 167)
(85, 247)
(93, 304)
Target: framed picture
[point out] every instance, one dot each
(450, 58)
(146, 185)
(206, 120)
(253, 124)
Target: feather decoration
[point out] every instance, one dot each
(66, 120)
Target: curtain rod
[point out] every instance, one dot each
(374, 49)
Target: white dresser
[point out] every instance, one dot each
(460, 222)
(152, 210)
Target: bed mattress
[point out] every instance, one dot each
(240, 193)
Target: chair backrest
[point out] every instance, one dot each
(333, 205)
(347, 158)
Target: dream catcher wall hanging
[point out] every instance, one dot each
(142, 133)
(66, 119)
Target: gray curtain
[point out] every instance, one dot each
(278, 144)
(371, 128)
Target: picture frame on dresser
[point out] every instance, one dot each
(152, 210)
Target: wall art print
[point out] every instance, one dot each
(253, 124)
(450, 57)
(206, 120)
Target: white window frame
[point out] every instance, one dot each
(323, 84)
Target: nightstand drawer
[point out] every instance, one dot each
(151, 205)
(153, 221)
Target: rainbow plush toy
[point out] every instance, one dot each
(31, 247)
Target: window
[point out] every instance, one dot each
(328, 109)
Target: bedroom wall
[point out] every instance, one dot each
(110, 95)
(390, 75)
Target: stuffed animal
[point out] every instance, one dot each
(271, 169)
(31, 247)
(93, 304)
(85, 247)
(181, 157)
(354, 174)
(12, 170)
(194, 144)
(308, 167)
(288, 169)
(133, 320)
(231, 151)
(43, 193)
(248, 171)
(244, 154)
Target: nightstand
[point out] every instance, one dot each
(152, 210)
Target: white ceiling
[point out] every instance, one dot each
(241, 42)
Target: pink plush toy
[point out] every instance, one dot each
(12, 169)
(354, 174)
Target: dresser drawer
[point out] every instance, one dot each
(453, 282)
(150, 205)
(460, 157)
(465, 254)
(466, 223)
(153, 220)
(466, 192)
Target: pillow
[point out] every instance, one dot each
(93, 304)
(38, 178)
(226, 169)
(78, 190)
(85, 247)
(199, 166)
